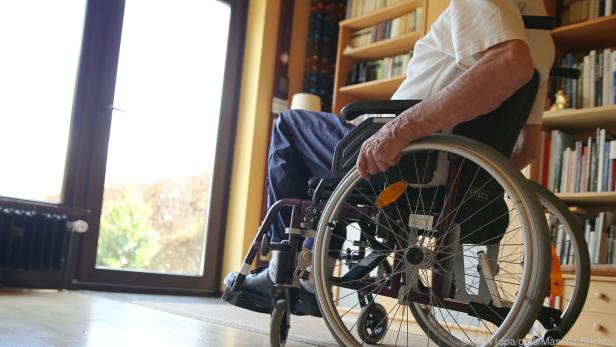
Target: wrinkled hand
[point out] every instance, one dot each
(382, 150)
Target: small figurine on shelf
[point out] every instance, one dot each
(562, 101)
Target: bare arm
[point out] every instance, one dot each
(501, 70)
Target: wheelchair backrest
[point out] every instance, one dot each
(498, 129)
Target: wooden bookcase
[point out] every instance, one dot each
(595, 324)
(379, 89)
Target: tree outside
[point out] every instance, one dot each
(156, 227)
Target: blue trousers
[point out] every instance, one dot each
(302, 146)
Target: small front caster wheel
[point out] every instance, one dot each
(279, 324)
(372, 323)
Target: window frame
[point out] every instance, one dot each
(87, 154)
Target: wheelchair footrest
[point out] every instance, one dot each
(302, 302)
(248, 300)
(488, 312)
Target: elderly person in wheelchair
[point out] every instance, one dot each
(440, 225)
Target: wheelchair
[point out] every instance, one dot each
(452, 241)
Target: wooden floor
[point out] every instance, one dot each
(70, 318)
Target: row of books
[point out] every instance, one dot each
(580, 10)
(358, 7)
(379, 69)
(410, 22)
(597, 83)
(599, 233)
(568, 165)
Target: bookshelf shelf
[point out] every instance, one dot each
(385, 48)
(379, 89)
(591, 34)
(581, 119)
(594, 198)
(608, 270)
(378, 16)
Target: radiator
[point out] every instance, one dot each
(32, 240)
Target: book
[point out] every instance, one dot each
(561, 141)
(599, 240)
(611, 159)
(592, 177)
(591, 245)
(599, 79)
(600, 155)
(607, 76)
(564, 166)
(587, 182)
(419, 18)
(592, 77)
(606, 165)
(585, 82)
(579, 153)
(613, 67)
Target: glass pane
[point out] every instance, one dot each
(163, 136)
(38, 69)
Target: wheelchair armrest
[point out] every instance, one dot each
(358, 108)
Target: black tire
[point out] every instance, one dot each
(372, 323)
(279, 324)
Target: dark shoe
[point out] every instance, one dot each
(254, 294)
(306, 304)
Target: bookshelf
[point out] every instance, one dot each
(378, 89)
(383, 14)
(597, 270)
(581, 119)
(401, 44)
(599, 310)
(583, 36)
(586, 199)
(383, 48)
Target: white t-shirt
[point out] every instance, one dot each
(462, 33)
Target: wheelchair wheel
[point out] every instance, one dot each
(471, 248)
(562, 307)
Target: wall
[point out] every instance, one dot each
(248, 174)
(297, 54)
